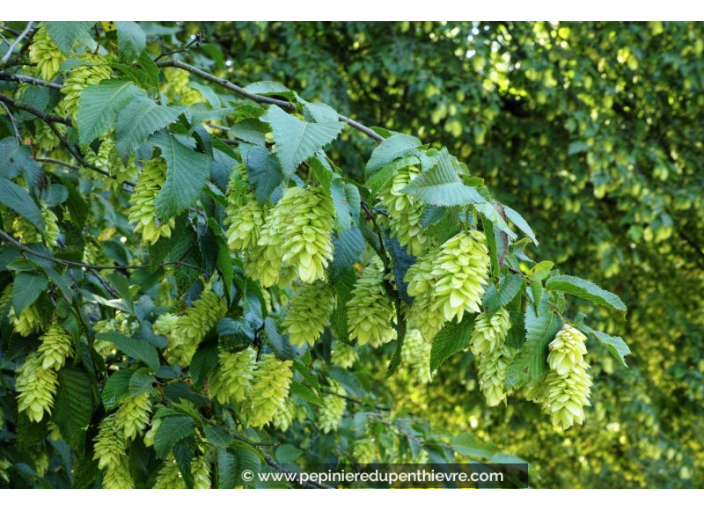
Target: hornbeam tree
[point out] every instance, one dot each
(192, 287)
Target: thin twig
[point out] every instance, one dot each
(197, 40)
(262, 99)
(37, 113)
(17, 41)
(311, 484)
(14, 124)
(23, 248)
(11, 30)
(21, 78)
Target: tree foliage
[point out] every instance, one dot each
(248, 277)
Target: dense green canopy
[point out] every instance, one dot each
(591, 130)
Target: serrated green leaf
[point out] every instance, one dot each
(297, 140)
(116, 388)
(99, 105)
(305, 393)
(264, 171)
(142, 381)
(396, 146)
(520, 223)
(348, 380)
(172, 430)
(585, 290)
(323, 174)
(217, 436)
(203, 363)
(74, 404)
(491, 213)
(251, 130)
(137, 349)
(540, 271)
(228, 474)
(17, 158)
(131, 40)
(67, 33)
(16, 198)
(441, 186)
(26, 289)
(614, 344)
(537, 290)
(138, 120)
(186, 173)
(470, 445)
(450, 340)
(494, 299)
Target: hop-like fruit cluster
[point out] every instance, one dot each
(110, 450)
(488, 343)
(366, 450)
(36, 387)
(447, 282)
(56, 346)
(80, 78)
(489, 332)
(193, 326)
(176, 87)
(45, 138)
(270, 389)
(45, 54)
(200, 469)
(333, 409)
(568, 385)
(29, 321)
(133, 414)
(296, 235)
(232, 379)
(404, 210)
(343, 355)
(308, 313)
(244, 214)
(416, 354)
(151, 433)
(290, 413)
(371, 309)
(169, 476)
(142, 212)
(28, 233)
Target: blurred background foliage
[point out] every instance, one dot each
(593, 131)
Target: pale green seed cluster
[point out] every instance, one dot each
(296, 236)
(568, 385)
(176, 87)
(193, 326)
(143, 210)
(151, 433)
(420, 286)
(232, 379)
(245, 222)
(29, 321)
(288, 414)
(333, 409)
(45, 54)
(169, 476)
(200, 469)
(28, 233)
(308, 313)
(488, 343)
(133, 414)
(366, 450)
(270, 389)
(404, 211)
(460, 272)
(45, 138)
(110, 450)
(371, 309)
(80, 78)
(37, 381)
(343, 355)
(447, 282)
(122, 323)
(416, 355)
(56, 346)
(489, 332)
(36, 387)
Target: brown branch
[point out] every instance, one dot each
(37, 113)
(262, 99)
(21, 78)
(24, 249)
